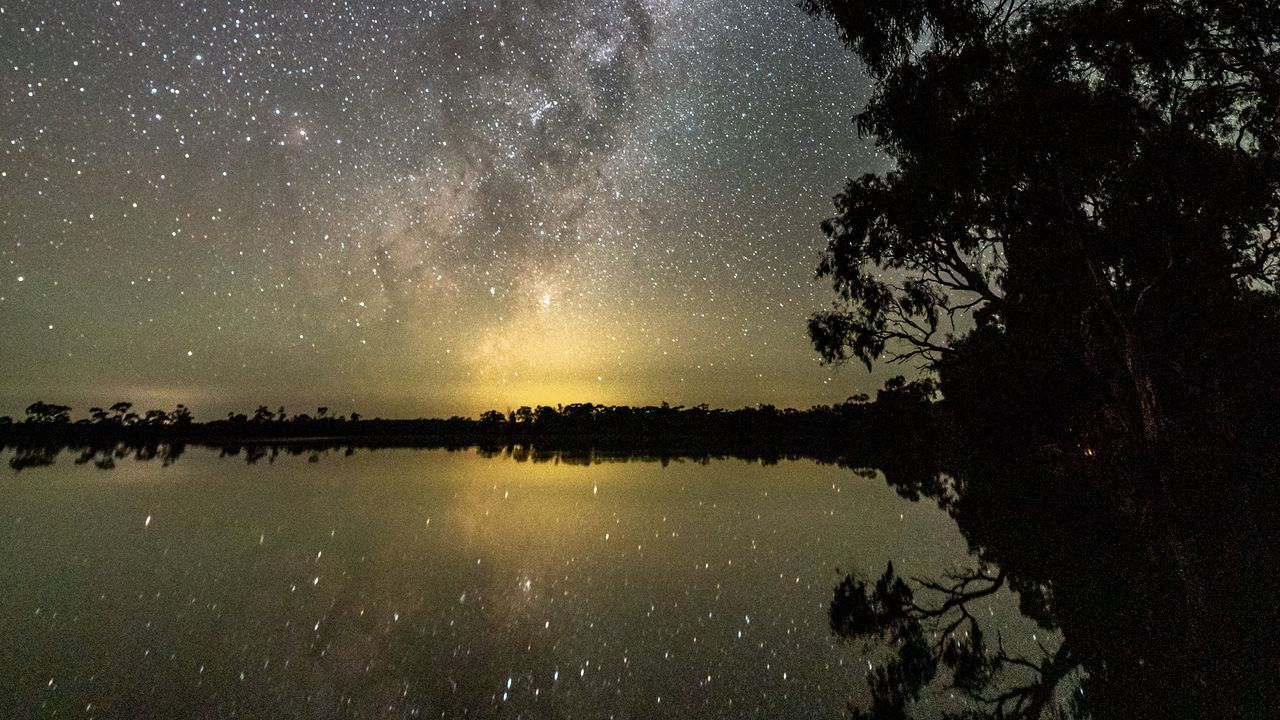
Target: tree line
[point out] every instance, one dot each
(902, 411)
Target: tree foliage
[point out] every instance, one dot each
(1100, 160)
(1081, 235)
(43, 412)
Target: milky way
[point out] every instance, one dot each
(418, 208)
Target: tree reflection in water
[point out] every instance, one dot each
(1164, 609)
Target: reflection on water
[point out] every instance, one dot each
(1159, 609)
(411, 583)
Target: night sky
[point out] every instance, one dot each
(418, 208)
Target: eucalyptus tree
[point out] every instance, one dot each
(1105, 170)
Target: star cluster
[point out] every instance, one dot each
(418, 208)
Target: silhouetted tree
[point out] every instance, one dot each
(43, 412)
(898, 389)
(1104, 171)
(1081, 234)
(121, 411)
(181, 416)
(545, 415)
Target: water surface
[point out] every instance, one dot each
(410, 583)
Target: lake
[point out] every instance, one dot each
(432, 583)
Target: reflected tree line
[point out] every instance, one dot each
(1080, 240)
(1157, 610)
(853, 432)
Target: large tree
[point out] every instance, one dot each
(1081, 235)
(1081, 167)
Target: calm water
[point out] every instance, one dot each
(410, 583)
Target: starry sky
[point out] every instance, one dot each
(420, 207)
